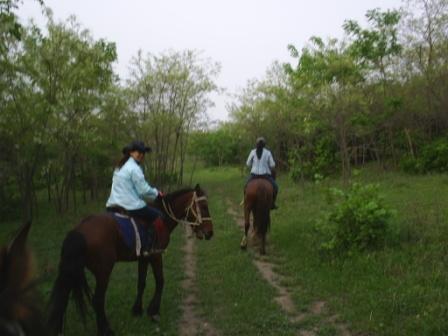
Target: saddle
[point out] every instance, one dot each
(135, 231)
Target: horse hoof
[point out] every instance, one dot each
(155, 318)
(243, 243)
(137, 311)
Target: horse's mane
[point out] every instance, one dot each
(170, 197)
(175, 194)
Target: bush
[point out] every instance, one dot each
(358, 220)
(313, 159)
(217, 147)
(433, 158)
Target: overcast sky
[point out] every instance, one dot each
(244, 36)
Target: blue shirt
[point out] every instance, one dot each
(260, 166)
(129, 187)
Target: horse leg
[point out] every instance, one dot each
(157, 269)
(243, 244)
(264, 232)
(137, 309)
(102, 281)
(263, 244)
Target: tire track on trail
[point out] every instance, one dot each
(284, 298)
(191, 323)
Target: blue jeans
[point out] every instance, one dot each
(146, 213)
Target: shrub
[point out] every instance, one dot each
(433, 158)
(217, 147)
(357, 221)
(313, 159)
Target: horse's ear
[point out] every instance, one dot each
(18, 245)
(197, 188)
(17, 260)
(3, 265)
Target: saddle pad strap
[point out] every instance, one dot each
(138, 243)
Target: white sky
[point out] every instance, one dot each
(245, 36)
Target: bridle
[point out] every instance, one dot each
(193, 209)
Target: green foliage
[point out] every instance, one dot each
(168, 94)
(433, 158)
(313, 160)
(363, 91)
(380, 41)
(357, 221)
(216, 147)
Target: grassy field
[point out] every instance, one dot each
(400, 290)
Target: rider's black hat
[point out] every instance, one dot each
(136, 146)
(261, 140)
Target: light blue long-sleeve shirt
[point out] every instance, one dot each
(129, 187)
(260, 166)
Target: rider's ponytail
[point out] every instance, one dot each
(259, 151)
(122, 161)
(125, 158)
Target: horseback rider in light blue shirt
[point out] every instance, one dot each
(130, 188)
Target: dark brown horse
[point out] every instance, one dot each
(96, 244)
(258, 201)
(19, 314)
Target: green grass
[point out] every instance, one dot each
(400, 290)
(233, 296)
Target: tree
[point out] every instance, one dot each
(50, 101)
(169, 95)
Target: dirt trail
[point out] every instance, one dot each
(192, 324)
(284, 298)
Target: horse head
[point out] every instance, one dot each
(203, 227)
(190, 207)
(18, 313)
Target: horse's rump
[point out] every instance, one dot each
(259, 190)
(258, 199)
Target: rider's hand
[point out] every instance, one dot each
(161, 194)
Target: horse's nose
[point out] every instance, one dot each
(208, 235)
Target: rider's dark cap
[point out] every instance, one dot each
(260, 140)
(136, 146)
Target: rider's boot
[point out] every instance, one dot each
(274, 198)
(147, 247)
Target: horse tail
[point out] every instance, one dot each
(71, 279)
(261, 211)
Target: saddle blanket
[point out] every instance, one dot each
(126, 228)
(127, 231)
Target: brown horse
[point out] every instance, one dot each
(258, 201)
(19, 314)
(96, 244)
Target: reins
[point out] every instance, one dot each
(196, 211)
